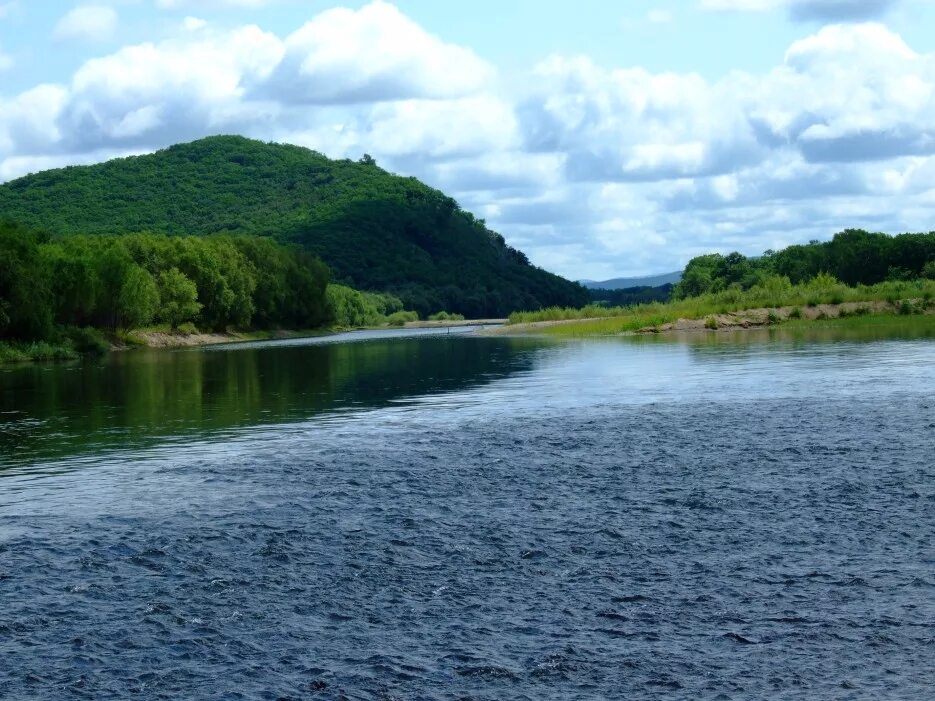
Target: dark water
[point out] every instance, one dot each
(730, 517)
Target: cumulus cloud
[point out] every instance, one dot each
(90, 22)
(166, 92)
(371, 55)
(633, 125)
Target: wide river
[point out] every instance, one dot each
(422, 516)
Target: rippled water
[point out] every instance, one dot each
(728, 517)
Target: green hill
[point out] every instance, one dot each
(377, 231)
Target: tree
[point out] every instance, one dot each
(139, 297)
(179, 297)
(25, 309)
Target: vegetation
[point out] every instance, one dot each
(855, 266)
(630, 295)
(446, 316)
(772, 293)
(377, 231)
(349, 308)
(854, 257)
(59, 290)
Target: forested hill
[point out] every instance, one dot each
(377, 231)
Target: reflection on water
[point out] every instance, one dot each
(135, 398)
(162, 397)
(724, 516)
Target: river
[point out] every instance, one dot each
(421, 516)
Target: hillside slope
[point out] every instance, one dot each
(377, 231)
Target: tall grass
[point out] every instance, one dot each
(774, 292)
(39, 350)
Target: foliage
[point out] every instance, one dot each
(111, 282)
(376, 231)
(853, 257)
(24, 294)
(631, 295)
(178, 298)
(401, 318)
(773, 293)
(446, 316)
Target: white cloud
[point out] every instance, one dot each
(193, 24)
(170, 91)
(91, 22)
(370, 55)
(28, 121)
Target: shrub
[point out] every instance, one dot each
(188, 327)
(88, 340)
(445, 316)
(796, 313)
(772, 317)
(401, 318)
(711, 323)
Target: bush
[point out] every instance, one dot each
(711, 323)
(188, 327)
(772, 317)
(401, 318)
(796, 313)
(88, 340)
(445, 316)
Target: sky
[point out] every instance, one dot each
(602, 138)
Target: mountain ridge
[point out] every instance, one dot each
(623, 283)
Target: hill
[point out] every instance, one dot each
(625, 283)
(377, 231)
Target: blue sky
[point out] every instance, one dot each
(602, 138)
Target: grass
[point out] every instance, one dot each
(774, 294)
(38, 350)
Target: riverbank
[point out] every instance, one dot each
(179, 339)
(634, 324)
(163, 337)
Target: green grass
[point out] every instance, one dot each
(775, 293)
(37, 351)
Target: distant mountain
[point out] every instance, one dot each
(377, 231)
(623, 283)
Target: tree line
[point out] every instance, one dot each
(111, 282)
(854, 257)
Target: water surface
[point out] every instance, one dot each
(726, 516)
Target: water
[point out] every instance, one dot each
(724, 517)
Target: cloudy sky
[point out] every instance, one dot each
(602, 138)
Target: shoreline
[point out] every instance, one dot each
(740, 320)
(178, 339)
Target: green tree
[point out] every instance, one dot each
(139, 297)
(25, 309)
(179, 297)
